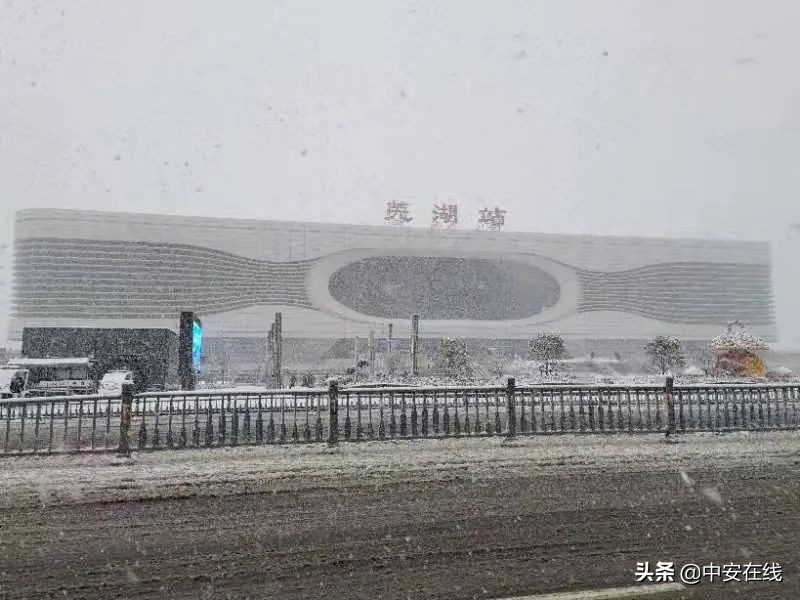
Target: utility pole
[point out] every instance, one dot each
(389, 361)
(415, 345)
(371, 353)
(278, 349)
(269, 365)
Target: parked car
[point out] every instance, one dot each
(13, 382)
(111, 383)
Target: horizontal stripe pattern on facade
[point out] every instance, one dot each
(283, 241)
(91, 278)
(107, 279)
(683, 292)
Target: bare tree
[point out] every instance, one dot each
(391, 363)
(221, 358)
(665, 352)
(497, 364)
(452, 358)
(548, 349)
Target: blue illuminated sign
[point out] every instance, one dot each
(197, 344)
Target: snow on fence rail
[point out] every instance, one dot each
(59, 423)
(209, 418)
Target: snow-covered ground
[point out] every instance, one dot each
(93, 478)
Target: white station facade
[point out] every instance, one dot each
(109, 270)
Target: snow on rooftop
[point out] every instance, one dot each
(114, 377)
(45, 362)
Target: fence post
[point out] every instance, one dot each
(671, 422)
(126, 399)
(333, 412)
(510, 408)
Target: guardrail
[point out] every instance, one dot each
(289, 416)
(59, 424)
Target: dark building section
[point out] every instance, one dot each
(444, 288)
(150, 353)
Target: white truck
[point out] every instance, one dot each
(56, 376)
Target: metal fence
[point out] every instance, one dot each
(59, 424)
(228, 419)
(219, 418)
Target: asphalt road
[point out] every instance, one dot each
(521, 523)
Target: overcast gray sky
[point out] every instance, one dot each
(677, 118)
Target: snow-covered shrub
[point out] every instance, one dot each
(665, 353)
(452, 358)
(737, 353)
(548, 349)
